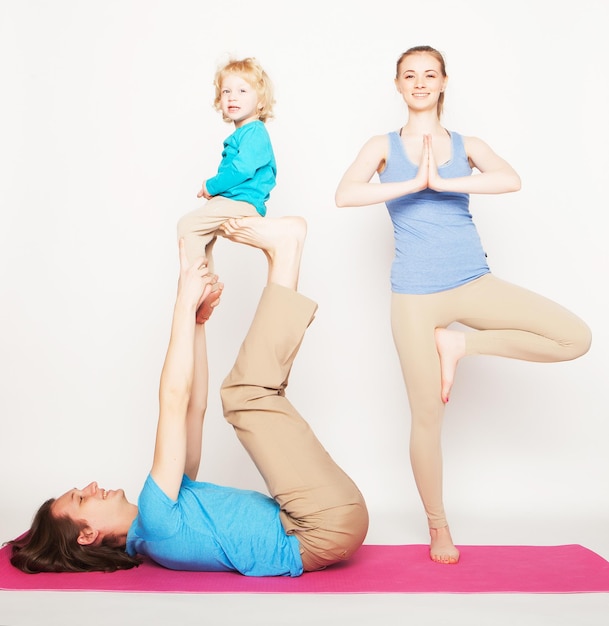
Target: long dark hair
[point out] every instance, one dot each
(51, 545)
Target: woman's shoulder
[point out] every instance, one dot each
(379, 142)
(470, 143)
(466, 139)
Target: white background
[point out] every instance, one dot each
(106, 132)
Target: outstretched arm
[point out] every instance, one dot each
(170, 454)
(197, 405)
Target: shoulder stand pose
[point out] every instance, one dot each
(246, 175)
(315, 517)
(440, 273)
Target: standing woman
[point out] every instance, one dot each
(440, 273)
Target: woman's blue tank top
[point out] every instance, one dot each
(437, 246)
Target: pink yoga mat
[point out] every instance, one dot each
(374, 569)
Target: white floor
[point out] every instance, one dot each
(100, 609)
(90, 609)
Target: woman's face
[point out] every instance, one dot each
(420, 81)
(105, 512)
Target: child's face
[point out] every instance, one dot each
(239, 100)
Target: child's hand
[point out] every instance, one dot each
(203, 193)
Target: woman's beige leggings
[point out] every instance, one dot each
(509, 321)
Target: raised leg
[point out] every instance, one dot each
(319, 502)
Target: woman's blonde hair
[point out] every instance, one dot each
(251, 71)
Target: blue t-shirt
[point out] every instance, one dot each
(248, 170)
(437, 246)
(211, 528)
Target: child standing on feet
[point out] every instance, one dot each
(247, 171)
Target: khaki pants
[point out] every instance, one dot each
(198, 228)
(510, 321)
(319, 503)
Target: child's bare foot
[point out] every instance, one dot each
(208, 305)
(280, 238)
(442, 549)
(451, 347)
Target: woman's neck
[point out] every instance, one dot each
(424, 123)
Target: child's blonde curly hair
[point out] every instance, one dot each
(251, 71)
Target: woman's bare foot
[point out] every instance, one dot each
(450, 345)
(280, 238)
(442, 549)
(210, 303)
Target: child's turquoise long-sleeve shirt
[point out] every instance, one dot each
(248, 170)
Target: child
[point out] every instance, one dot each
(246, 174)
